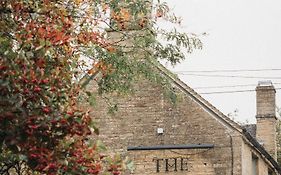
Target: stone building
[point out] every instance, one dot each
(191, 137)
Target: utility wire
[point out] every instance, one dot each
(228, 86)
(213, 87)
(230, 92)
(230, 76)
(233, 70)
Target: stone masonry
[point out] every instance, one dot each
(191, 121)
(266, 118)
(139, 116)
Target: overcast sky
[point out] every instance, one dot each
(242, 34)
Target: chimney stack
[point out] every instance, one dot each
(266, 117)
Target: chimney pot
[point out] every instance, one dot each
(265, 83)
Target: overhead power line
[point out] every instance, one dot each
(230, 76)
(228, 86)
(230, 92)
(230, 70)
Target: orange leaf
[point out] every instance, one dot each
(32, 74)
(125, 15)
(159, 13)
(111, 49)
(41, 31)
(92, 71)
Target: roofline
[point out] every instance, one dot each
(195, 96)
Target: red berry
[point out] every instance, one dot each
(116, 173)
(63, 121)
(2, 67)
(37, 89)
(53, 121)
(53, 89)
(70, 112)
(26, 91)
(52, 166)
(24, 80)
(45, 81)
(33, 156)
(46, 110)
(34, 81)
(33, 126)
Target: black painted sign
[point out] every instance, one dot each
(171, 164)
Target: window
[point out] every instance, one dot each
(270, 172)
(255, 170)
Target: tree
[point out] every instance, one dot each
(46, 46)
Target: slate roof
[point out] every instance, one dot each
(251, 129)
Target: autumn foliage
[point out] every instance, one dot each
(45, 48)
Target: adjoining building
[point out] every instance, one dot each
(191, 137)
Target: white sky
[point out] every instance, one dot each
(242, 34)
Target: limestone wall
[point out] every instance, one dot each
(247, 156)
(139, 116)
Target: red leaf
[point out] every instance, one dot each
(41, 62)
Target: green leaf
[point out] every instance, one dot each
(78, 120)
(23, 157)
(130, 165)
(92, 99)
(100, 146)
(94, 126)
(112, 109)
